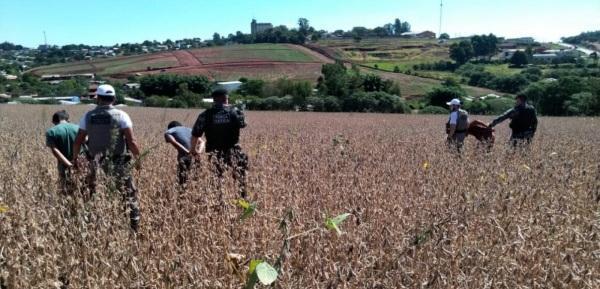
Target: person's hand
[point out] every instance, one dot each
(138, 164)
(76, 164)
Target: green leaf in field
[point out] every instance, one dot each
(266, 273)
(252, 279)
(252, 276)
(249, 211)
(340, 218)
(333, 223)
(332, 226)
(253, 264)
(242, 203)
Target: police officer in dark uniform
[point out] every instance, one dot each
(523, 121)
(221, 125)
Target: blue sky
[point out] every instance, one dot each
(110, 21)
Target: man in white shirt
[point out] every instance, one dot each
(457, 125)
(110, 142)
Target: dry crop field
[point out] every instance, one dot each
(420, 216)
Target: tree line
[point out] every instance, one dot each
(591, 36)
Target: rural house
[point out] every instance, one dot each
(544, 58)
(424, 35)
(229, 85)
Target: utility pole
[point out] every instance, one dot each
(45, 40)
(441, 6)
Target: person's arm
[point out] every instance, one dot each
(50, 143)
(79, 140)
(240, 118)
(452, 124)
(506, 115)
(132, 142)
(535, 122)
(452, 130)
(197, 132)
(170, 139)
(197, 145)
(60, 157)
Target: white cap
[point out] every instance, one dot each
(455, 101)
(106, 90)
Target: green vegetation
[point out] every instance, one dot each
(501, 69)
(592, 36)
(262, 52)
(338, 90)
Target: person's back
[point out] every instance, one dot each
(62, 136)
(61, 140)
(460, 118)
(104, 126)
(110, 141)
(180, 137)
(221, 125)
(183, 135)
(524, 119)
(457, 125)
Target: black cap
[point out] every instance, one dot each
(521, 96)
(219, 93)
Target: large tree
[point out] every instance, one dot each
(303, 26)
(405, 27)
(484, 45)
(461, 52)
(519, 59)
(397, 27)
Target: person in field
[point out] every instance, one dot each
(111, 143)
(180, 137)
(457, 125)
(221, 125)
(523, 121)
(60, 139)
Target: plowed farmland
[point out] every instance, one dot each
(419, 215)
(265, 61)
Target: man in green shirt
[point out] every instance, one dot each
(60, 139)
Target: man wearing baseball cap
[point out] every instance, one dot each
(110, 142)
(457, 125)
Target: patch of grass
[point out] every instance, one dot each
(502, 69)
(253, 52)
(127, 67)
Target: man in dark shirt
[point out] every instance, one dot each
(180, 137)
(523, 121)
(221, 125)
